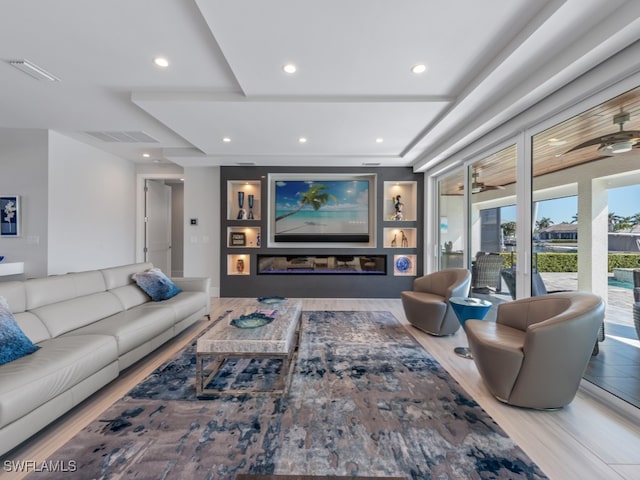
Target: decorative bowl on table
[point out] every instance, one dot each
(252, 320)
(273, 300)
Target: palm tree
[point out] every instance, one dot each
(544, 222)
(315, 196)
(574, 219)
(508, 229)
(636, 219)
(613, 221)
(623, 223)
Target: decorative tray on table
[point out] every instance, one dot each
(271, 300)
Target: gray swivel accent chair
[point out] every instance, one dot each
(537, 350)
(427, 305)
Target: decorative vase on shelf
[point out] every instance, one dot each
(242, 213)
(240, 265)
(250, 214)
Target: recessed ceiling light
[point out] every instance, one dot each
(419, 68)
(379, 140)
(226, 139)
(290, 68)
(161, 62)
(146, 155)
(302, 140)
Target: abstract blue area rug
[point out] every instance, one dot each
(365, 400)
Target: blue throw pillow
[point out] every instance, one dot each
(156, 284)
(14, 343)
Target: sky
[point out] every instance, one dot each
(623, 201)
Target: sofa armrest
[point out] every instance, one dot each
(193, 284)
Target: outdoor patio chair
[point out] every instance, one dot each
(485, 272)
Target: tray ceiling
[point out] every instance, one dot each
(353, 96)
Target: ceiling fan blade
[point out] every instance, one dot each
(588, 143)
(623, 136)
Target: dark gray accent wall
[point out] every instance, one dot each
(320, 285)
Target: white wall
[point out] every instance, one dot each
(91, 207)
(202, 241)
(23, 171)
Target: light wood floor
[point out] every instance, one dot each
(596, 437)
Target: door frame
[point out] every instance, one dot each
(140, 227)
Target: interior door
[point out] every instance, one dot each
(158, 225)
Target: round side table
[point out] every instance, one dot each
(467, 308)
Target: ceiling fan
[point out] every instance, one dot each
(477, 186)
(613, 143)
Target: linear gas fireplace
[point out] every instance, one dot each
(322, 264)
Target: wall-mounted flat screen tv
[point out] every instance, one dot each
(321, 210)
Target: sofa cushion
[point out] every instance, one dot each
(14, 294)
(58, 365)
(14, 344)
(156, 284)
(32, 326)
(119, 276)
(130, 295)
(58, 288)
(77, 312)
(186, 303)
(133, 327)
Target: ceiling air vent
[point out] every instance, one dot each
(33, 70)
(246, 164)
(123, 137)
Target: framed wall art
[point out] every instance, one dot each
(237, 239)
(9, 216)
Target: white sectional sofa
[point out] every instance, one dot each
(89, 327)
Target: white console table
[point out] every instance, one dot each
(11, 268)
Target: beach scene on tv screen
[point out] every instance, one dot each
(331, 207)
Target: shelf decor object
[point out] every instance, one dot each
(9, 216)
(242, 213)
(240, 265)
(250, 214)
(237, 239)
(404, 265)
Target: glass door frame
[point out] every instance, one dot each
(524, 187)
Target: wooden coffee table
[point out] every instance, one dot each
(278, 339)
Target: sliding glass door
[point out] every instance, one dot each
(451, 217)
(492, 223)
